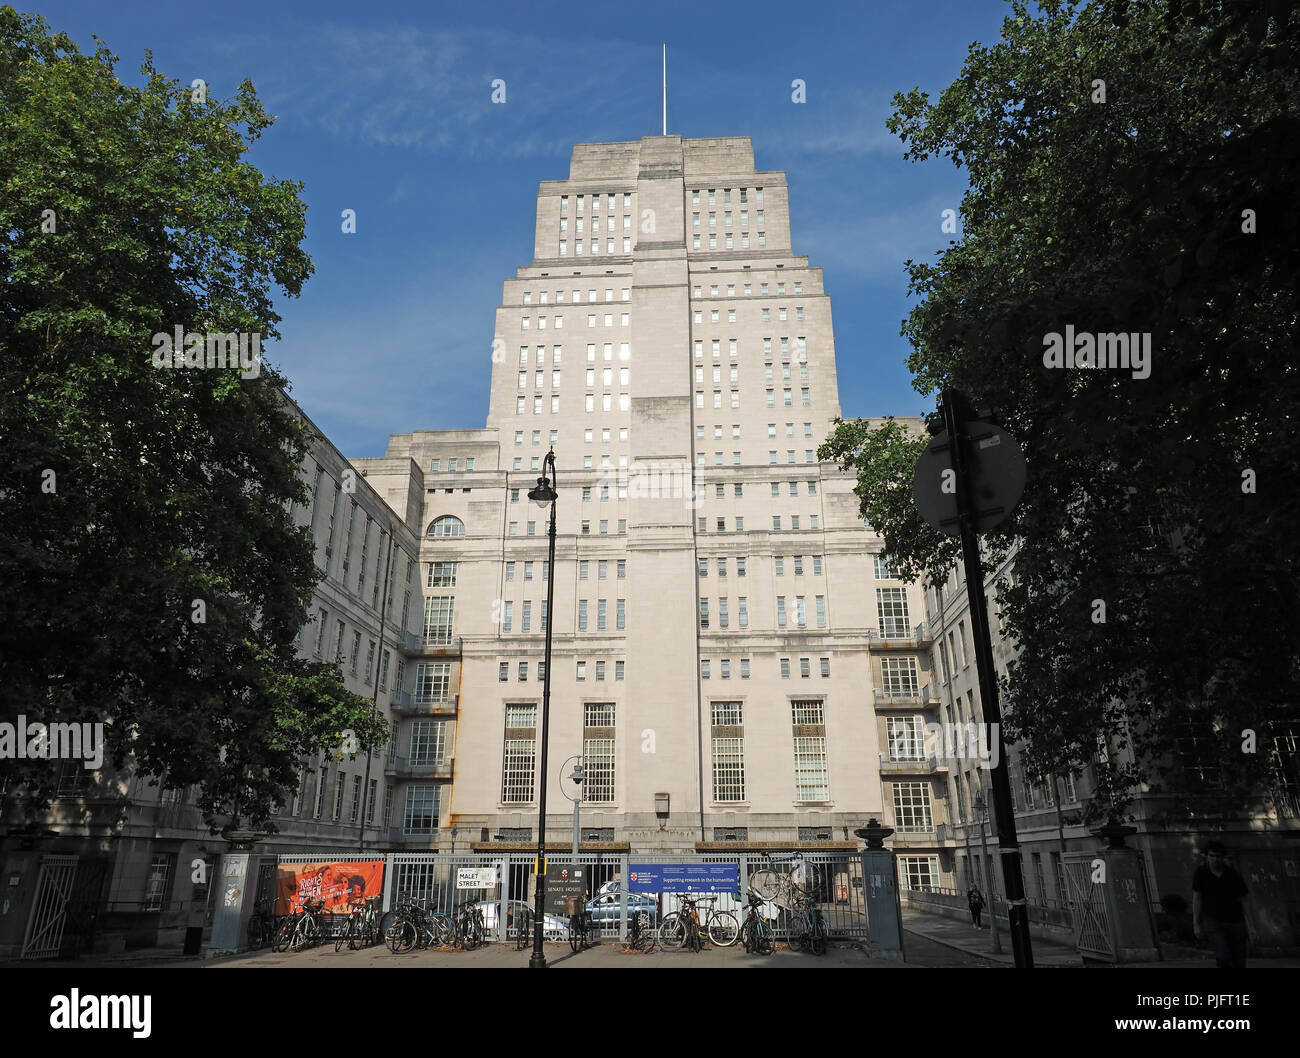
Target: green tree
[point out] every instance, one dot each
(153, 578)
(1161, 202)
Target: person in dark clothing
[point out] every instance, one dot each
(975, 900)
(1219, 907)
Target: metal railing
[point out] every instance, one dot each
(419, 769)
(896, 635)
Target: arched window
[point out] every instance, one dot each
(447, 525)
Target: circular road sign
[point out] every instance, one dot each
(996, 478)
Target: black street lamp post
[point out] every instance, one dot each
(544, 495)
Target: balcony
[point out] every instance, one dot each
(906, 700)
(402, 768)
(930, 695)
(914, 839)
(429, 646)
(895, 638)
(408, 703)
(930, 765)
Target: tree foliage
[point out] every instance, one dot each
(130, 493)
(1172, 499)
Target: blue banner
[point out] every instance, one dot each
(683, 877)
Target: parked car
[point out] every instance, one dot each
(605, 905)
(555, 927)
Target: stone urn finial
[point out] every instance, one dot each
(874, 834)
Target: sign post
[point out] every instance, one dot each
(966, 482)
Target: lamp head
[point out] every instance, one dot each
(543, 495)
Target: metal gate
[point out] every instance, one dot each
(832, 877)
(1088, 907)
(45, 927)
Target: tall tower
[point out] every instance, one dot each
(721, 612)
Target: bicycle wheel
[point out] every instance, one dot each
(672, 931)
(443, 929)
(400, 936)
(723, 929)
(256, 935)
(473, 932)
(767, 883)
(575, 933)
(303, 933)
(283, 935)
(819, 938)
(523, 929)
(324, 926)
(344, 935)
(387, 921)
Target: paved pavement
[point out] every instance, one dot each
(930, 941)
(960, 935)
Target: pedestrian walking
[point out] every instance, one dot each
(975, 900)
(1219, 907)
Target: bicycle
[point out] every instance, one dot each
(755, 933)
(721, 927)
(640, 935)
(468, 928)
(312, 926)
(779, 887)
(262, 926)
(360, 929)
(581, 929)
(809, 932)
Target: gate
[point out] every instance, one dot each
(1092, 934)
(44, 937)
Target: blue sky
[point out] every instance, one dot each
(386, 109)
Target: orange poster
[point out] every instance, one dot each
(338, 884)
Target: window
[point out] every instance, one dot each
(432, 682)
(898, 677)
(527, 622)
(582, 615)
(891, 607)
(811, 782)
(728, 752)
(507, 616)
(601, 608)
(918, 872)
(906, 738)
(804, 669)
(740, 567)
(420, 815)
(912, 807)
(821, 611)
(778, 565)
(447, 525)
(503, 671)
(618, 670)
(825, 667)
(881, 564)
(722, 613)
(704, 613)
(742, 612)
(704, 669)
(519, 753)
(439, 616)
(785, 668)
(441, 575)
(157, 889)
(780, 611)
(428, 742)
